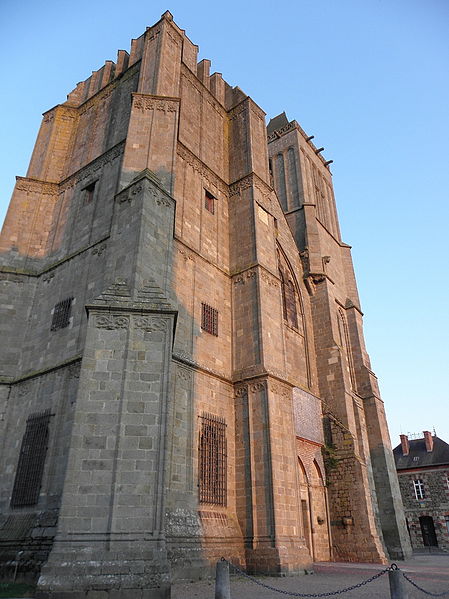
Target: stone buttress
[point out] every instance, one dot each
(177, 322)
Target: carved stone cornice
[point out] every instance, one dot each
(240, 390)
(145, 102)
(202, 169)
(280, 389)
(111, 321)
(36, 186)
(150, 323)
(282, 131)
(89, 171)
(187, 359)
(251, 180)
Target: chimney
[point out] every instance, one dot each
(429, 440)
(405, 445)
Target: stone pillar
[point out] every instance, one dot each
(111, 530)
(111, 525)
(268, 503)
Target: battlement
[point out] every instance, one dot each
(224, 93)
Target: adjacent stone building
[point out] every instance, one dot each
(184, 371)
(423, 472)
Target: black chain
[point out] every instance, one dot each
(423, 590)
(292, 594)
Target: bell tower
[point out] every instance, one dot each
(360, 463)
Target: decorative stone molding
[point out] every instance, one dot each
(111, 321)
(129, 194)
(258, 386)
(241, 391)
(248, 274)
(202, 169)
(145, 102)
(48, 277)
(282, 131)
(162, 201)
(89, 171)
(280, 389)
(36, 186)
(252, 180)
(237, 188)
(186, 255)
(237, 110)
(269, 279)
(150, 324)
(188, 359)
(74, 370)
(184, 374)
(97, 251)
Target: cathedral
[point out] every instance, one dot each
(184, 374)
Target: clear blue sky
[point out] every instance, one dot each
(368, 78)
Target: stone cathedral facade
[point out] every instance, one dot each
(184, 374)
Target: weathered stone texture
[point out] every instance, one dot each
(149, 201)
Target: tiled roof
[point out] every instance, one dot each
(419, 457)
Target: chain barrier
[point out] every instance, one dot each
(423, 590)
(292, 594)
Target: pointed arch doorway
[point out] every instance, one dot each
(312, 493)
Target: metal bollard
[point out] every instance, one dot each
(397, 588)
(222, 584)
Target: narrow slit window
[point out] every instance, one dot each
(209, 201)
(61, 314)
(209, 319)
(212, 460)
(89, 192)
(30, 468)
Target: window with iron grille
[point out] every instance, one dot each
(212, 460)
(209, 201)
(209, 319)
(419, 489)
(30, 467)
(61, 314)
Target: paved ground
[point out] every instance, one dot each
(430, 572)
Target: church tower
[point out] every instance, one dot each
(178, 324)
(364, 494)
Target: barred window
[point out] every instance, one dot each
(212, 460)
(30, 467)
(209, 319)
(419, 489)
(61, 314)
(209, 201)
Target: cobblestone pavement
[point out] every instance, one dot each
(429, 571)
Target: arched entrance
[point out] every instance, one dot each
(314, 511)
(305, 505)
(320, 525)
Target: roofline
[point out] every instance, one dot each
(417, 469)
